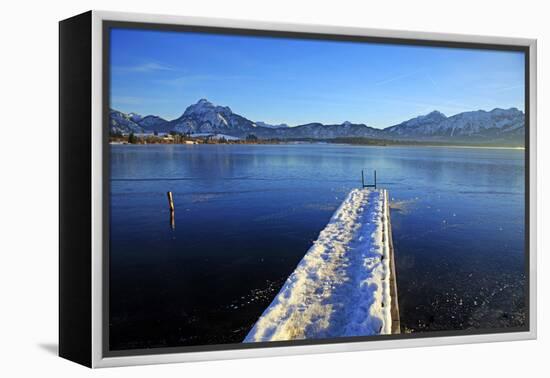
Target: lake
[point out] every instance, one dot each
(246, 214)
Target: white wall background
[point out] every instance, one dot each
(28, 184)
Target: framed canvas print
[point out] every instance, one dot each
(234, 189)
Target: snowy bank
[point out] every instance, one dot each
(342, 285)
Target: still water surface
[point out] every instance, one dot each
(246, 214)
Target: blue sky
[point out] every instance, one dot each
(295, 81)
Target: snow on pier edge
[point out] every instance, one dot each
(342, 285)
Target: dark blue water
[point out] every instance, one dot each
(246, 214)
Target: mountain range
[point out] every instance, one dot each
(498, 126)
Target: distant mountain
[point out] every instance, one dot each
(205, 117)
(480, 126)
(321, 131)
(135, 117)
(269, 126)
(417, 125)
(120, 123)
(153, 123)
(496, 126)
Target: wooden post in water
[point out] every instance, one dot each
(375, 179)
(362, 178)
(170, 201)
(171, 206)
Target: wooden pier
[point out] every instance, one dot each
(396, 321)
(395, 318)
(346, 283)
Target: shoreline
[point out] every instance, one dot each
(519, 148)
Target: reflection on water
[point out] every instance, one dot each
(246, 215)
(402, 206)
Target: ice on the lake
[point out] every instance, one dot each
(342, 285)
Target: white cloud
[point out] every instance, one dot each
(397, 78)
(144, 67)
(198, 78)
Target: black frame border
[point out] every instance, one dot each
(75, 189)
(107, 25)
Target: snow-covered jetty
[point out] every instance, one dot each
(345, 284)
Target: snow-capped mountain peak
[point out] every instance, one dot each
(464, 125)
(205, 117)
(432, 117)
(135, 117)
(204, 107)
